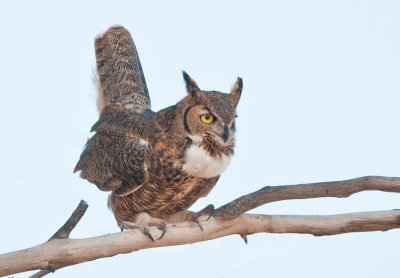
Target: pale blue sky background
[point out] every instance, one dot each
(320, 102)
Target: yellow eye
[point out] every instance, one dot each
(207, 118)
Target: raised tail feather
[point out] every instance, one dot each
(120, 75)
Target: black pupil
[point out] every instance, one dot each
(207, 117)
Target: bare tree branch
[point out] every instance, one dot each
(75, 217)
(340, 189)
(41, 273)
(61, 251)
(58, 253)
(64, 232)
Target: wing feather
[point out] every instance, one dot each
(121, 78)
(114, 162)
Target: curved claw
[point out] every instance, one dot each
(209, 209)
(198, 224)
(163, 227)
(195, 216)
(146, 231)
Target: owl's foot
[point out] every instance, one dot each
(143, 222)
(195, 216)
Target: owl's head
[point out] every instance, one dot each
(211, 114)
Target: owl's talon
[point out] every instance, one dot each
(143, 222)
(163, 227)
(146, 231)
(195, 216)
(208, 209)
(198, 224)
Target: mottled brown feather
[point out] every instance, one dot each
(120, 72)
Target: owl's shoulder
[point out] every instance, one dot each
(117, 120)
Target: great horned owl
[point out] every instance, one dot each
(157, 164)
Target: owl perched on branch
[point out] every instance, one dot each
(156, 164)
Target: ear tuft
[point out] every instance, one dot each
(236, 91)
(191, 86)
(186, 77)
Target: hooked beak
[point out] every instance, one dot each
(225, 135)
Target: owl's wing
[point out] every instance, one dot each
(114, 162)
(116, 119)
(121, 78)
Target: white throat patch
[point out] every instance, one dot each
(201, 165)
